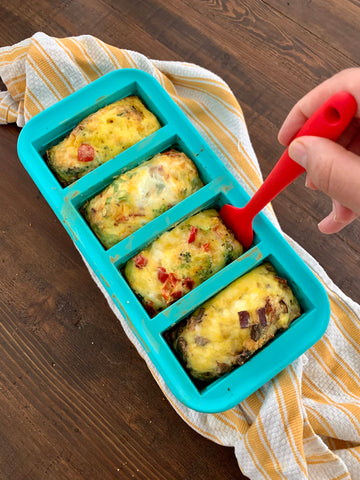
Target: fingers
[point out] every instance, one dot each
(293, 122)
(331, 168)
(348, 80)
(339, 218)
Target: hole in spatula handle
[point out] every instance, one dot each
(332, 116)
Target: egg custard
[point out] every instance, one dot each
(180, 259)
(100, 137)
(139, 195)
(226, 330)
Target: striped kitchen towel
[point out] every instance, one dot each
(304, 423)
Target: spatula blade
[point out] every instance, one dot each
(239, 222)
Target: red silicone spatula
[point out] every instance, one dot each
(329, 121)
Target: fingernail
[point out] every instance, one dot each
(297, 152)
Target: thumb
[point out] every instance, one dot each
(332, 169)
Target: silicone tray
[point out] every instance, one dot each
(51, 125)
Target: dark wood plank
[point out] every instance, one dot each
(338, 27)
(76, 400)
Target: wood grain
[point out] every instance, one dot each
(76, 400)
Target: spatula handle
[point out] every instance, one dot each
(329, 121)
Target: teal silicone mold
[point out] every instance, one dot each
(49, 126)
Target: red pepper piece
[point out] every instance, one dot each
(162, 275)
(86, 153)
(140, 261)
(188, 283)
(168, 287)
(216, 228)
(120, 219)
(193, 232)
(172, 279)
(165, 291)
(176, 295)
(206, 247)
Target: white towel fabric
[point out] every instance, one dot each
(304, 423)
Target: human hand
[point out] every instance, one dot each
(333, 168)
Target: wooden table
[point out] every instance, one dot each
(76, 400)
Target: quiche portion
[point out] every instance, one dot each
(226, 330)
(100, 137)
(181, 259)
(139, 195)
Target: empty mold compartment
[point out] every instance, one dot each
(108, 262)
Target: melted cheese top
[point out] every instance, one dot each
(108, 131)
(213, 337)
(180, 259)
(138, 196)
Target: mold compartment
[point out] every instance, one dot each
(120, 201)
(67, 123)
(182, 258)
(204, 385)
